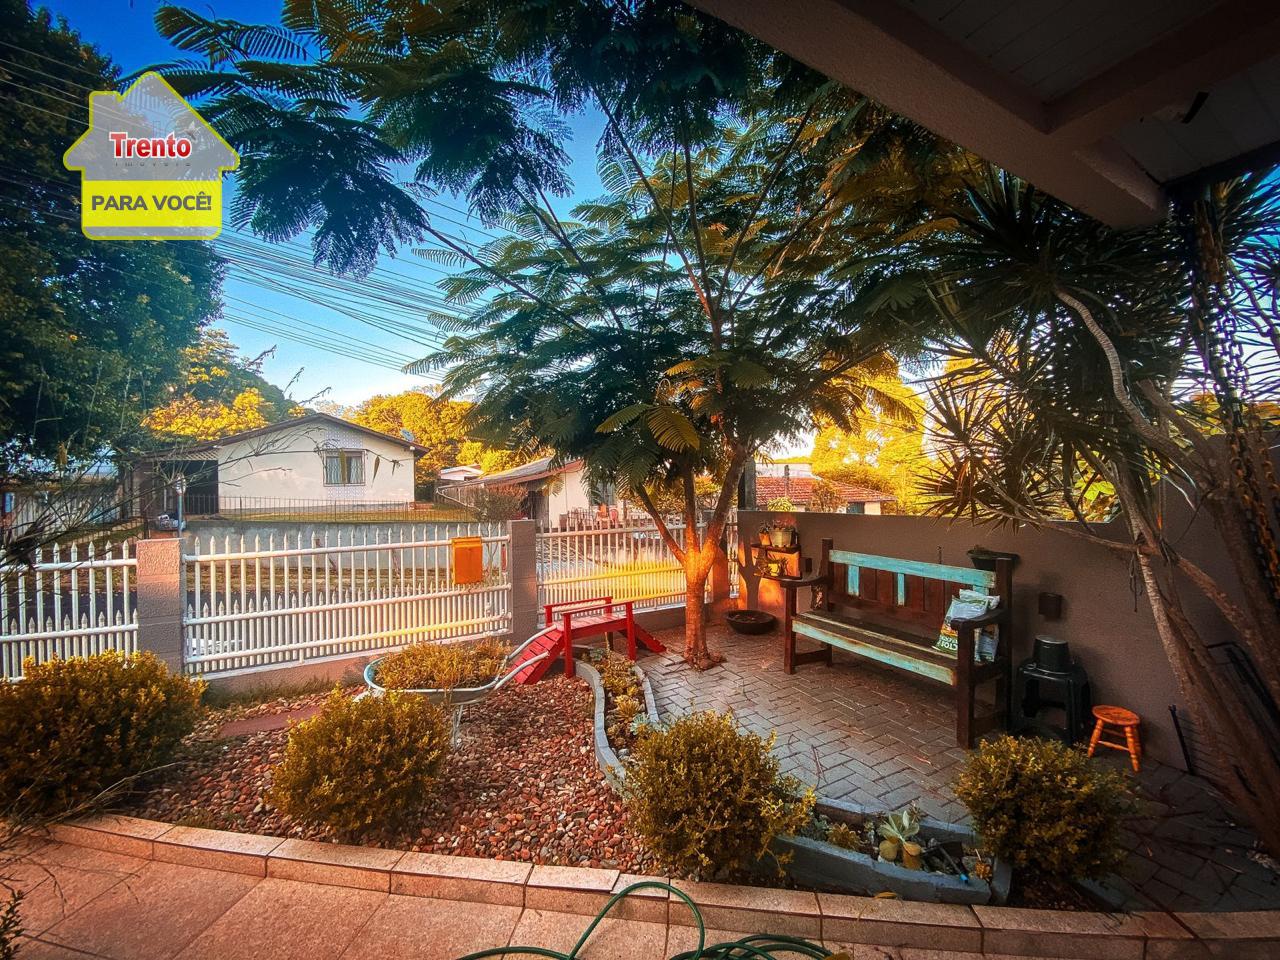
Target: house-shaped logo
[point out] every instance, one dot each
(151, 167)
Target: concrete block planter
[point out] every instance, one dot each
(827, 866)
(610, 764)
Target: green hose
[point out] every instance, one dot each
(761, 946)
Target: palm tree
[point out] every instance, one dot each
(1082, 354)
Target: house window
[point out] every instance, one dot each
(343, 468)
(856, 508)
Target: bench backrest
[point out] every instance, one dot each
(908, 591)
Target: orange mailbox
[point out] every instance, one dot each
(468, 559)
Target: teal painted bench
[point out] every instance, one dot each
(890, 611)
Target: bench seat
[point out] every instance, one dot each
(889, 611)
(895, 648)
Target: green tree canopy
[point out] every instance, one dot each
(92, 330)
(672, 328)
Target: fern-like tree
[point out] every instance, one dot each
(665, 332)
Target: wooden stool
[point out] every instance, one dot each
(1127, 722)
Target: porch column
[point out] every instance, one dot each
(160, 599)
(525, 621)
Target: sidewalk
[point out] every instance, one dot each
(89, 903)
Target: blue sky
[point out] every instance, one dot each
(124, 30)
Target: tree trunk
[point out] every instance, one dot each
(696, 652)
(1217, 699)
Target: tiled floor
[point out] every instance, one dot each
(861, 732)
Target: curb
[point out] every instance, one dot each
(833, 918)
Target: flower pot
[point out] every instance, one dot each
(750, 621)
(912, 856)
(888, 850)
(781, 536)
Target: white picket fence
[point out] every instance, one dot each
(68, 602)
(261, 602)
(258, 604)
(625, 563)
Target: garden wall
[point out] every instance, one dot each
(1108, 626)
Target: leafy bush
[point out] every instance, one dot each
(437, 666)
(1043, 805)
(780, 505)
(708, 798)
(495, 504)
(363, 767)
(74, 728)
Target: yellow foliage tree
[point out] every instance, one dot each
(439, 425)
(193, 419)
(887, 453)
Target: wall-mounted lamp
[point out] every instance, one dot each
(1051, 606)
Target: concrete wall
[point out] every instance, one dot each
(289, 464)
(1109, 629)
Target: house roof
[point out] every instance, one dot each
(309, 418)
(525, 473)
(799, 490)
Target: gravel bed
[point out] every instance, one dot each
(523, 785)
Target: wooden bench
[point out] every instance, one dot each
(890, 611)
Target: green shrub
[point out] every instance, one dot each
(437, 666)
(363, 767)
(1043, 805)
(708, 798)
(74, 728)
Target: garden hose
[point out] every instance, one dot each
(761, 946)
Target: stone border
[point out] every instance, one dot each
(833, 918)
(606, 758)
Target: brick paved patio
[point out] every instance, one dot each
(865, 733)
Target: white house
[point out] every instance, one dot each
(312, 460)
(556, 495)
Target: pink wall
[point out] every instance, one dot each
(1110, 631)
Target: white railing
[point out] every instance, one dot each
(626, 563)
(68, 602)
(253, 603)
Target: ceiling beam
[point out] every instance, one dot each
(896, 58)
(1216, 45)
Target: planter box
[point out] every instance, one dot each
(610, 765)
(826, 866)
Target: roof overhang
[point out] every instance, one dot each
(1103, 106)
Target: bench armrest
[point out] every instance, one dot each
(792, 583)
(999, 615)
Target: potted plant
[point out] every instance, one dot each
(782, 533)
(985, 558)
(896, 832)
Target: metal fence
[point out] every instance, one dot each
(278, 600)
(68, 602)
(626, 563)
